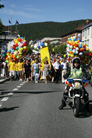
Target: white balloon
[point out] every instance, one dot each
(74, 37)
(68, 45)
(45, 44)
(71, 47)
(76, 52)
(77, 48)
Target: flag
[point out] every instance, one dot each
(9, 21)
(16, 22)
(44, 53)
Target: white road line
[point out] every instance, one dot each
(21, 84)
(5, 99)
(10, 93)
(15, 89)
(18, 86)
(0, 105)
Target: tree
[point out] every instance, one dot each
(29, 49)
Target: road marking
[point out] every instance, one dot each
(15, 89)
(21, 84)
(0, 105)
(10, 93)
(5, 99)
(18, 86)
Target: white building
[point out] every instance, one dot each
(87, 35)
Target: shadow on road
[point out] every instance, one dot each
(29, 92)
(84, 113)
(8, 109)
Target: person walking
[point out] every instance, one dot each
(27, 69)
(20, 69)
(37, 73)
(56, 66)
(46, 70)
(64, 68)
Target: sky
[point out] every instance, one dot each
(31, 11)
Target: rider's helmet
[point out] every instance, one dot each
(76, 60)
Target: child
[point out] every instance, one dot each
(37, 72)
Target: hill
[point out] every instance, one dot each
(47, 29)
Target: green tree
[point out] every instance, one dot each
(29, 49)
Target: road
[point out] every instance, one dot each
(32, 112)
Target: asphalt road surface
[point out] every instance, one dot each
(31, 111)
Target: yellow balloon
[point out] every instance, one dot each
(72, 55)
(64, 55)
(25, 47)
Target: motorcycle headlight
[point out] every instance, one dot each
(77, 85)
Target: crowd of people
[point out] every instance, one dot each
(31, 68)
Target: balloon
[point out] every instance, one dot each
(80, 53)
(79, 35)
(45, 44)
(41, 44)
(80, 46)
(38, 46)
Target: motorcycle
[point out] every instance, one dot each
(76, 94)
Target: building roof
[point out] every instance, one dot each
(50, 39)
(86, 26)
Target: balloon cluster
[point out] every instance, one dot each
(75, 48)
(39, 45)
(16, 49)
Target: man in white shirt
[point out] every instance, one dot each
(64, 68)
(56, 67)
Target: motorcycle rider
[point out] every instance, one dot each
(76, 71)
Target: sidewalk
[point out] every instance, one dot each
(3, 79)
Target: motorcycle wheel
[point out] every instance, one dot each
(76, 108)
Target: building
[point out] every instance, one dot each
(52, 40)
(87, 35)
(72, 33)
(4, 39)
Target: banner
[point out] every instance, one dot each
(44, 53)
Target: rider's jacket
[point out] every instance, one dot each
(76, 73)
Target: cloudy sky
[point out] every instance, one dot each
(29, 11)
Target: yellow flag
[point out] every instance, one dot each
(44, 53)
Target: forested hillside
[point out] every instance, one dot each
(46, 29)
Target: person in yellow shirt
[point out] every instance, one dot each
(11, 68)
(16, 70)
(20, 69)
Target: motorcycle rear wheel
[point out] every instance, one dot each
(76, 108)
